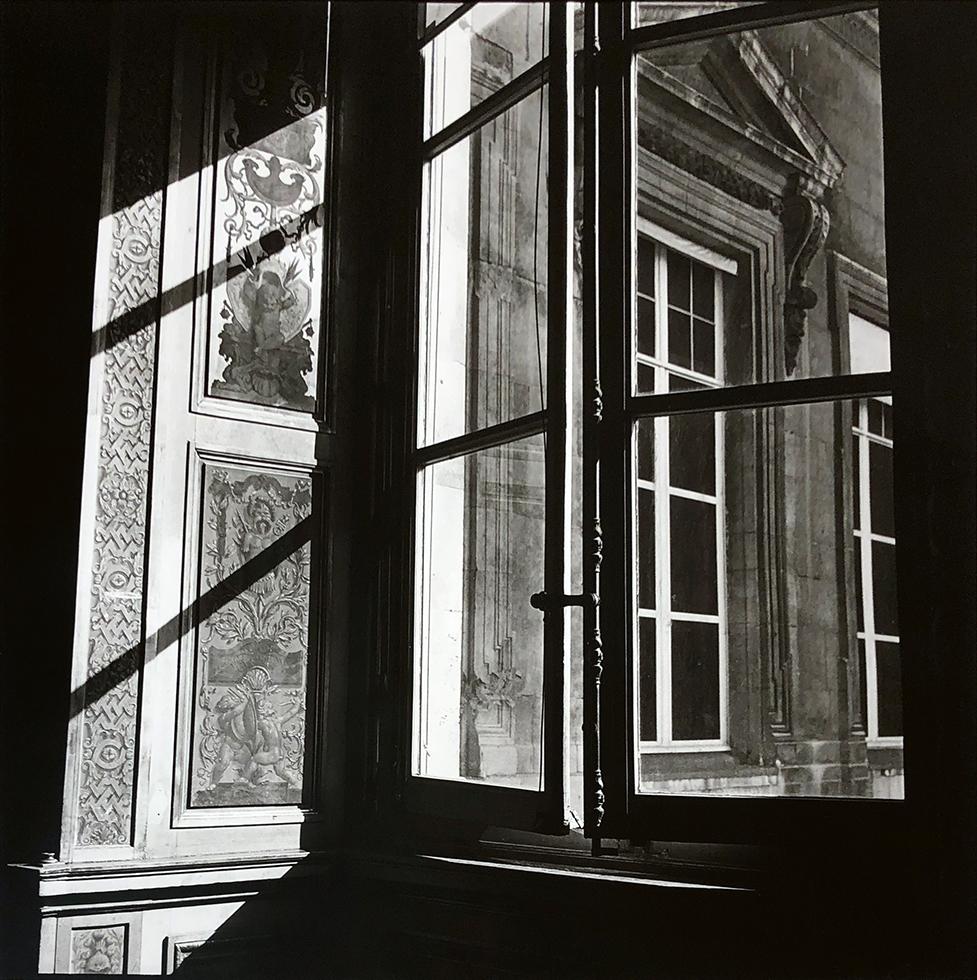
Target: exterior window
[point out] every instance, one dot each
(680, 587)
(875, 546)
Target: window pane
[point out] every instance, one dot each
(890, 688)
(695, 680)
(481, 52)
(880, 484)
(704, 347)
(856, 463)
(478, 642)
(648, 690)
(646, 266)
(692, 452)
(693, 566)
(884, 588)
(703, 291)
(646, 549)
(862, 682)
(646, 449)
(679, 339)
(868, 346)
(738, 712)
(434, 13)
(654, 12)
(679, 272)
(645, 379)
(483, 289)
(716, 119)
(646, 326)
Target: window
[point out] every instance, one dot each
(682, 687)
(873, 522)
(725, 171)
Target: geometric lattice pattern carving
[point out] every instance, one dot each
(99, 950)
(128, 341)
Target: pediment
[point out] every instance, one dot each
(732, 91)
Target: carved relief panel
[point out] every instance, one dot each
(268, 213)
(252, 651)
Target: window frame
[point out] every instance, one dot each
(542, 811)
(630, 814)
(661, 486)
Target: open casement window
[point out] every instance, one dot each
(729, 201)
(744, 437)
(489, 575)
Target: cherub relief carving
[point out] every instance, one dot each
(249, 734)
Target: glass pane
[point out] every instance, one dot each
(647, 685)
(480, 53)
(736, 712)
(704, 347)
(646, 449)
(723, 127)
(889, 673)
(483, 278)
(645, 379)
(862, 682)
(478, 642)
(653, 13)
(880, 482)
(884, 588)
(646, 549)
(695, 681)
(646, 326)
(679, 280)
(646, 266)
(434, 13)
(679, 339)
(868, 347)
(703, 291)
(692, 452)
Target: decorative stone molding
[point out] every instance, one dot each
(806, 222)
(126, 344)
(665, 145)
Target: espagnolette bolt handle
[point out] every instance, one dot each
(544, 601)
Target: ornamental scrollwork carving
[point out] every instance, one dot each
(100, 950)
(806, 223)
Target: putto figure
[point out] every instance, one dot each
(262, 337)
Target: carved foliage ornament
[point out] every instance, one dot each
(100, 950)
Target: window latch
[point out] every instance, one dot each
(544, 601)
